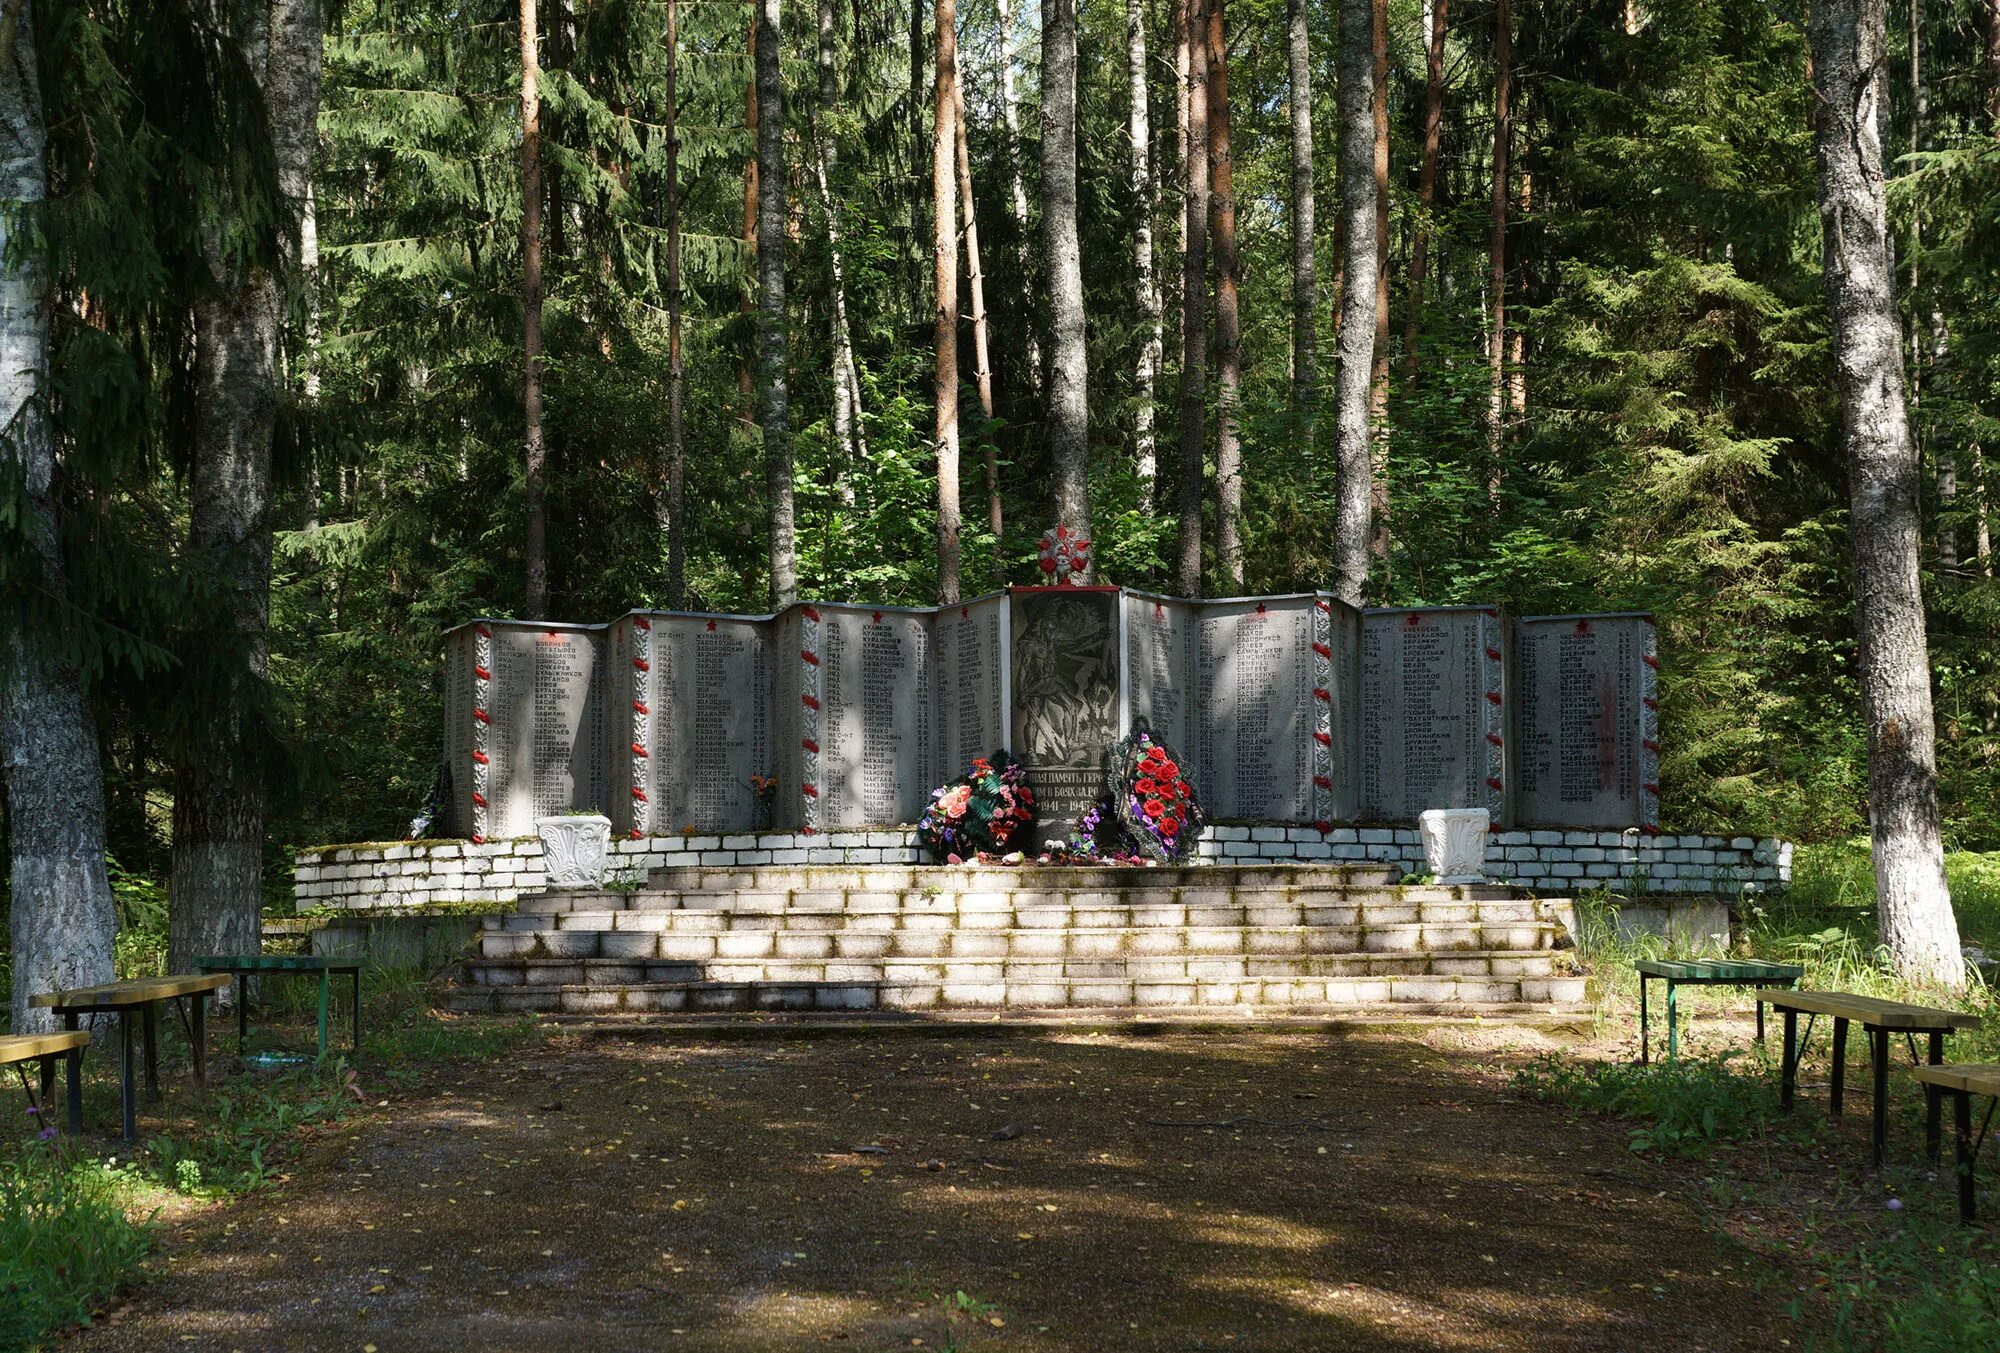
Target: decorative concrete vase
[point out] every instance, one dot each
(575, 849)
(1455, 843)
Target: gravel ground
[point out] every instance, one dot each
(1363, 1189)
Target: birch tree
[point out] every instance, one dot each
(1352, 451)
(535, 542)
(64, 922)
(1914, 902)
(1228, 313)
(773, 347)
(1427, 174)
(1305, 267)
(975, 280)
(1010, 119)
(1068, 383)
(1147, 371)
(1193, 26)
(675, 507)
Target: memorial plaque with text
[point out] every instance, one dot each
(1433, 711)
(879, 752)
(1256, 738)
(1163, 673)
(1586, 742)
(969, 648)
(704, 682)
(531, 740)
(1066, 694)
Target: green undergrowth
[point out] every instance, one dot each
(1686, 1107)
(72, 1232)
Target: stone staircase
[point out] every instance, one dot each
(918, 939)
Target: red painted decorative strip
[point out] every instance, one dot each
(1493, 783)
(809, 701)
(1492, 697)
(642, 664)
(482, 716)
(480, 757)
(1650, 703)
(810, 791)
(1323, 739)
(1492, 655)
(811, 613)
(637, 835)
(807, 655)
(1322, 693)
(1650, 661)
(478, 840)
(1654, 790)
(809, 745)
(638, 707)
(641, 622)
(639, 794)
(482, 673)
(1495, 739)
(1323, 650)
(1649, 829)
(1322, 826)
(1649, 746)
(478, 798)
(637, 750)
(1322, 782)
(485, 632)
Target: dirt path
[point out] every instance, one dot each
(1365, 1190)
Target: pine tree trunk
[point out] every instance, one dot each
(218, 813)
(535, 548)
(1145, 450)
(1378, 382)
(982, 354)
(1427, 174)
(1010, 117)
(676, 498)
(1496, 299)
(64, 922)
(1228, 317)
(1982, 536)
(1353, 487)
(944, 332)
(773, 347)
(1193, 16)
(1917, 925)
(1068, 397)
(1305, 283)
(847, 431)
(915, 130)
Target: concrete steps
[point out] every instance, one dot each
(667, 997)
(903, 938)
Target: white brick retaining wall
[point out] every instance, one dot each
(419, 873)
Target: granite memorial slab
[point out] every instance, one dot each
(1586, 721)
(696, 691)
(1337, 717)
(525, 727)
(878, 758)
(1433, 712)
(1255, 757)
(1163, 673)
(969, 645)
(1066, 665)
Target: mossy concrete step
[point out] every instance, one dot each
(990, 878)
(873, 901)
(965, 971)
(1032, 942)
(671, 997)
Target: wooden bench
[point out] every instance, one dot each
(17, 1050)
(1879, 1018)
(1962, 1082)
(144, 995)
(1707, 972)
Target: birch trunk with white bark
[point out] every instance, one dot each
(1353, 467)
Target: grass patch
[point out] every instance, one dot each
(67, 1241)
(1686, 1107)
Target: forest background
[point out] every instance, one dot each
(1665, 436)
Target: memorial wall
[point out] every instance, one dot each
(1289, 709)
(1586, 730)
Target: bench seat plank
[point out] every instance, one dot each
(1719, 970)
(1975, 1078)
(137, 991)
(1870, 1010)
(28, 1047)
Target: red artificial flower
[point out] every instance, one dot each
(1154, 808)
(1147, 787)
(1170, 825)
(1167, 768)
(1155, 754)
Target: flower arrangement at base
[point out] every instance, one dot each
(1152, 797)
(987, 812)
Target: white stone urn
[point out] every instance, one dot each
(1455, 843)
(575, 849)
